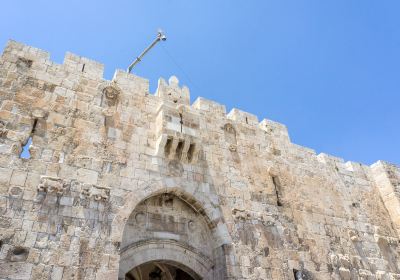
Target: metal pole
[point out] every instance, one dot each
(160, 37)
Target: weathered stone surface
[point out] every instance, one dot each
(120, 182)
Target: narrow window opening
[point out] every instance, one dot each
(296, 274)
(190, 152)
(181, 121)
(247, 120)
(25, 148)
(35, 121)
(179, 149)
(168, 145)
(300, 274)
(19, 254)
(277, 186)
(19, 251)
(83, 67)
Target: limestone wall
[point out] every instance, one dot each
(100, 148)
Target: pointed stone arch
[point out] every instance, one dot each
(207, 267)
(230, 134)
(198, 201)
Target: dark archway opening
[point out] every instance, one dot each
(161, 270)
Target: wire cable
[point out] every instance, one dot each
(179, 67)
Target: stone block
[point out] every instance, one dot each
(87, 176)
(18, 178)
(5, 175)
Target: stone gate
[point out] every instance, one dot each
(103, 180)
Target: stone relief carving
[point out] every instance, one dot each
(230, 133)
(140, 218)
(111, 93)
(354, 235)
(168, 200)
(230, 137)
(88, 191)
(94, 192)
(232, 148)
(52, 185)
(192, 225)
(175, 168)
(240, 214)
(3, 129)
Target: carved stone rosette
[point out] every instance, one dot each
(110, 92)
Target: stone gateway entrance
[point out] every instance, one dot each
(161, 270)
(166, 238)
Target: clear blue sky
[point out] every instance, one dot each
(329, 70)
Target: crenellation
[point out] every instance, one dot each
(89, 68)
(329, 159)
(303, 151)
(209, 106)
(132, 85)
(277, 130)
(242, 117)
(14, 50)
(117, 176)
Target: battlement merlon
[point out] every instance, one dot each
(75, 66)
(13, 50)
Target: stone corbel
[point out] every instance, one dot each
(52, 185)
(96, 193)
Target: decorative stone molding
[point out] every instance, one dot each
(233, 148)
(52, 185)
(389, 240)
(354, 236)
(230, 134)
(192, 225)
(110, 92)
(240, 214)
(94, 192)
(3, 129)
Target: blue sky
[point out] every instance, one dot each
(329, 70)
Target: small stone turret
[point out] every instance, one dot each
(172, 92)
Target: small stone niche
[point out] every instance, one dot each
(277, 187)
(301, 274)
(24, 63)
(110, 94)
(18, 254)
